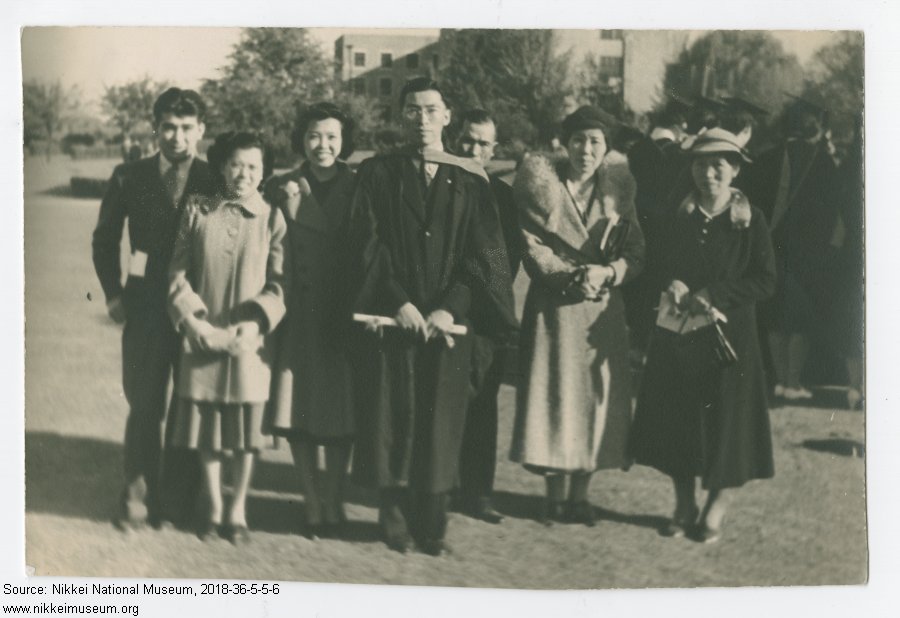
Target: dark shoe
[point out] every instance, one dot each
(401, 542)
(238, 535)
(483, 510)
(583, 513)
(209, 531)
(678, 527)
(708, 535)
(553, 512)
(435, 547)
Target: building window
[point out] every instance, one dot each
(611, 65)
(412, 61)
(435, 62)
(386, 113)
(387, 60)
(385, 87)
(359, 59)
(611, 35)
(359, 87)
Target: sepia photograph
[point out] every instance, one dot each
(517, 308)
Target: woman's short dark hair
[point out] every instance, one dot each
(180, 103)
(227, 143)
(323, 111)
(734, 158)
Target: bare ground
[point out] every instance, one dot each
(806, 526)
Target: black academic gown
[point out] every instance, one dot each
(438, 247)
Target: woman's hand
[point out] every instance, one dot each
(205, 337)
(678, 291)
(245, 337)
(410, 319)
(699, 303)
(596, 279)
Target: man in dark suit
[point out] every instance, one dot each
(478, 457)
(150, 193)
(429, 252)
(795, 186)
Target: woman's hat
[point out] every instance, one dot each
(587, 117)
(717, 141)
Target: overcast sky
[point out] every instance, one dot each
(92, 58)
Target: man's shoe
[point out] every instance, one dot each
(401, 543)
(435, 547)
(483, 509)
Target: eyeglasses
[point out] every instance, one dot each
(412, 113)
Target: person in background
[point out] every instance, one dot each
(428, 252)
(227, 290)
(151, 193)
(694, 416)
(312, 400)
(478, 456)
(741, 118)
(657, 163)
(582, 241)
(794, 184)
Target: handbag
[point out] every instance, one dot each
(703, 352)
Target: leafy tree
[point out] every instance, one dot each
(749, 64)
(46, 108)
(836, 79)
(271, 75)
(130, 105)
(515, 74)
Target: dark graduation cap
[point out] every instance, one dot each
(738, 104)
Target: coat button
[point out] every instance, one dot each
(232, 232)
(427, 234)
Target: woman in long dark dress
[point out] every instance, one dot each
(312, 393)
(700, 419)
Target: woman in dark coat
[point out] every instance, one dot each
(312, 393)
(694, 417)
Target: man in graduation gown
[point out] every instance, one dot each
(150, 194)
(429, 252)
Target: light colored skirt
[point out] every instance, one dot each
(214, 426)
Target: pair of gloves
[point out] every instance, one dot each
(234, 340)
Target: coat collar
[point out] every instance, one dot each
(253, 204)
(738, 208)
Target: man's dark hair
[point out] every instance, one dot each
(323, 111)
(421, 84)
(736, 121)
(180, 103)
(477, 116)
(225, 145)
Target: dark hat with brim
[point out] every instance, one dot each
(717, 141)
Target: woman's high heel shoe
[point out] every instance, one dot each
(553, 512)
(678, 526)
(583, 512)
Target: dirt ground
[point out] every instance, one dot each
(806, 526)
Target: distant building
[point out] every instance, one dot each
(632, 63)
(378, 65)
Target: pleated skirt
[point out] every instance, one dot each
(215, 426)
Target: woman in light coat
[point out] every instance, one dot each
(582, 242)
(227, 288)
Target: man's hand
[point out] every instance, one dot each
(116, 310)
(410, 319)
(699, 303)
(439, 322)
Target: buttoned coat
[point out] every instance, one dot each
(312, 387)
(573, 408)
(228, 265)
